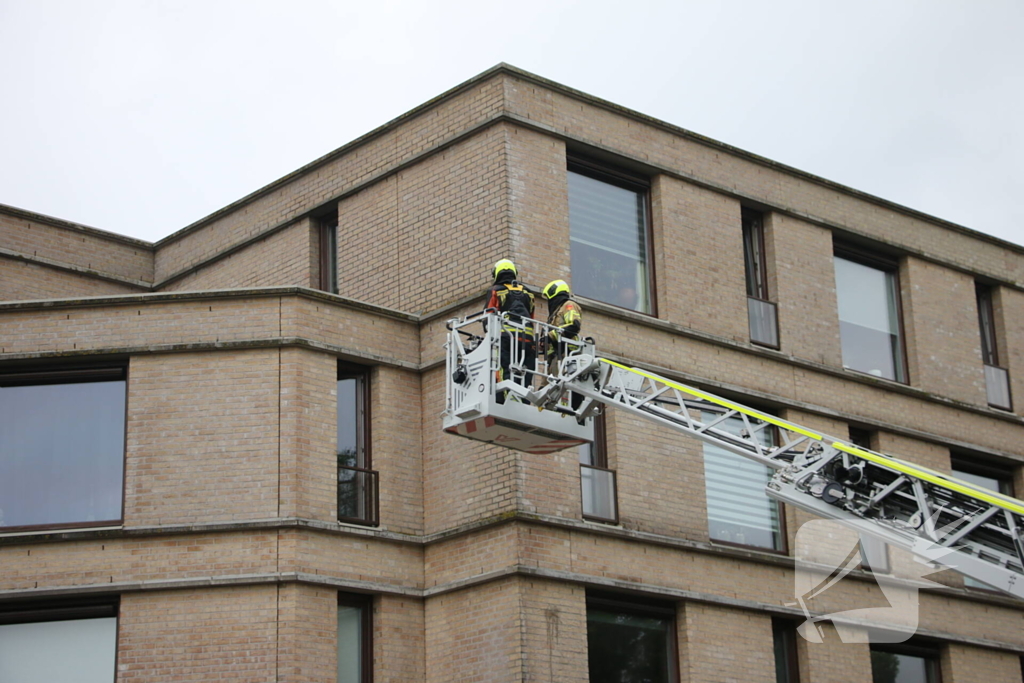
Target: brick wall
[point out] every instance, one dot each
(707, 654)
(203, 438)
(833, 661)
(281, 259)
(20, 280)
(225, 634)
(965, 664)
(399, 641)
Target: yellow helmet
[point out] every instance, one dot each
(554, 288)
(503, 265)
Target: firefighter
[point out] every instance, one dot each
(565, 319)
(510, 297)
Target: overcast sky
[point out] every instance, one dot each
(142, 116)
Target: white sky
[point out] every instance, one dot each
(141, 117)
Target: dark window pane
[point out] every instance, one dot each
(986, 323)
(350, 422)
(869, 319)
(753, 255)
(628, 648)
(61, 453)
(890, 667)
(786, 667)
(608, 234)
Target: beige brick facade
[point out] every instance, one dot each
(229, 562)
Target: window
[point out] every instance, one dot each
(874, 553)
(329, 254)
(739, 511)
(787, 668)
(761, 312)
(72, 641)
(62, 447)
(597, 482)
(630, 641)
(355, 647)
(984, 475)
(906, 664)
(997, 381)
(357, 483)
(609, 237)
(867, 291)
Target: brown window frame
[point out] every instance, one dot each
(780, 506)
(888, 265)
(928, 652)
(363, 440)
(328, 235)
(35, 375)
(365, 604)
(785, 630)
(613, 175)
(641, 606)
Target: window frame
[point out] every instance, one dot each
(639, 606)
(71, 608)
(889, 265)
(599, 456)
(785, 630)
(987, 325)
(363, 438)
(755, 257)
(613, 175)
(930, 654)
(39, 375)
(365, 604)
(783, 548)
(328, 236)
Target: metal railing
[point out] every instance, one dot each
(997, 386)
(358, 496)
(600, 502)
(763, 318)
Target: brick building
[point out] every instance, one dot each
(221, 455)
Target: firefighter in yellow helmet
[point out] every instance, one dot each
(510, 297)
(566, 320)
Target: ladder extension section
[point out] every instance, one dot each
(941, 519)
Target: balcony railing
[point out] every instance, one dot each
(358, 501)
(997, 383)
(764, 327)
(599, 496)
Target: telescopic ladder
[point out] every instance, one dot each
(943, 520)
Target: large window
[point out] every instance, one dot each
(761, 313)
(739, 511)
(62, 447)
(630, 641)
(997, 380)
(609, 237)
(986, 475)
(357, 483)
(355, 649)
(597, 482)
(904, 664)
(869, 316)
(70, 642)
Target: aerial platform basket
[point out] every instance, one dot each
(473, 407)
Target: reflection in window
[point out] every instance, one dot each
(61, 447)
(761, 313)
(608, 238)
(902, 667)
(597, 482)
(630, 642)
(357, 483)
(353, 639)
(869, 320)
(739, 511)
(990, 478)
(59, 645)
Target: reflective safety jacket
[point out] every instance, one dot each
(512, 298)
(568, 318)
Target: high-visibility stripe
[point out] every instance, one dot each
(931, 476)
(718, 401)
(935, 478)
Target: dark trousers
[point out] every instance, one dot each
(527, 350)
